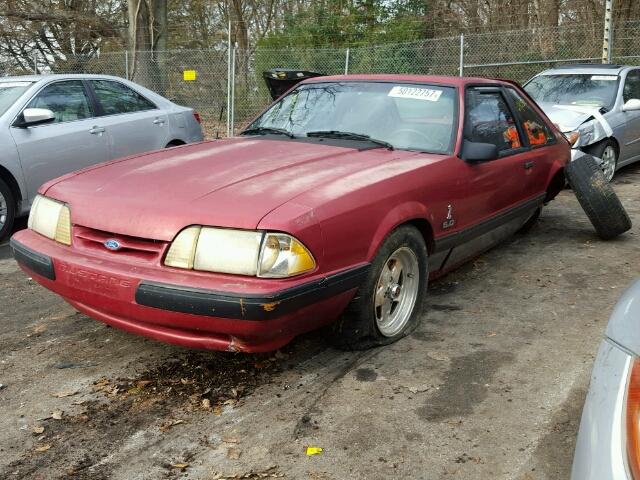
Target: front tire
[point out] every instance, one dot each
(607, 151)
(7, 210)
(389, 303)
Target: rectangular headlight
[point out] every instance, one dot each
(51, 218)
(240, 252)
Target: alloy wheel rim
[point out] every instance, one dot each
(4, 211)
(609, 162)
(396, 292)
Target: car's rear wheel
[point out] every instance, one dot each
(7, 210)
(607, 152)
(389, 303)
(597, 198)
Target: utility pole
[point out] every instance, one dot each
(607, 43)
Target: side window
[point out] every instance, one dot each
(117, 98)
(489, 120)
(67, 100)
(632, 86)
(533, 126)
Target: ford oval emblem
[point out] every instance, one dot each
(112, 244)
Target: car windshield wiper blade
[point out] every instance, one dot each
(349, 136)
(268, 130)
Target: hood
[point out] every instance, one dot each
(232, 183)
(566, 118)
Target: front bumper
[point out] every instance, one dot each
(600, 448)
(218, 312)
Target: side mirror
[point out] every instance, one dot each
(631, 105)
(35, 116)
(478, 152)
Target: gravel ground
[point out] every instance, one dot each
(490, 386)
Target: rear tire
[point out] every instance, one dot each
(389, 303)
(597, 198)
(7, 210)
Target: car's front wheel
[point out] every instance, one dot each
(389, 303)
(7, 210)
(607, 152)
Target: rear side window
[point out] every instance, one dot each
(489, 120)
(67, 100)
(632, 86)
(116, 98)
(533, 126)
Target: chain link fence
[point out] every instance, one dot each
(227, 106)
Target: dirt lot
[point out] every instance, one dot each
(490, 386)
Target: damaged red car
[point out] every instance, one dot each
(333, 208)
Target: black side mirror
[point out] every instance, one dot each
(478, 152)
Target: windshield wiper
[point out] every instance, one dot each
(349, 136)
(268, 130)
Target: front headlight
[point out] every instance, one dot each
(240, 252)
(51, 218)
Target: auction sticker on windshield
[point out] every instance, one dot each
(604, 77)
(415, 93)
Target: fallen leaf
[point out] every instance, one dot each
(37, 429)
(181, 466)
(166, 426)
(67, 393)
(40, 328)
(234, 453)
(492, 334)
(57, 414)
(230, 440)
(206, 404)
(314, 451)
(43, 448)
(217, 411)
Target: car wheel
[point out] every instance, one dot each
(607, 152)
(531, 222)
(597, 198)
(7, 210)
(389, 303)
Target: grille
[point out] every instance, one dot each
(134, 248)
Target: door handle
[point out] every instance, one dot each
(529, 165)
(96, 130)
(159, 121)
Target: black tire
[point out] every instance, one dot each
(357, 328)
(597, 198)
(529, 224)
(597, 150)
(7, 227)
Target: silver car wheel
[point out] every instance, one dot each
(608, 164)
(396, 291)
(4, 210)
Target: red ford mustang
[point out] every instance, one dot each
(334, 206)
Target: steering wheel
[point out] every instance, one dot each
(422, 135)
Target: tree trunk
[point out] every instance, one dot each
(147, 42)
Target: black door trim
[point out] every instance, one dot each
(463, 236)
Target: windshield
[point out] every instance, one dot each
(572, 89)
(406, 116)
(10, 92)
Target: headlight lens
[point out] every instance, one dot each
(284, 256)
(240, 252)
(573, 137)
(51, 218)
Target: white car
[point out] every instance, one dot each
(608, 446)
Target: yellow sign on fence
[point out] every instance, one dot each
(189, 75)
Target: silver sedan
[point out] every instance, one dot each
(597, 107)
(608, 446)
(55, 124)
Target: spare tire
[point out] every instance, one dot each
(597, 198)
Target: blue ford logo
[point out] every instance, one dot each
(112, 244)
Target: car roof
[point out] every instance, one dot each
(55, 76)
(437, 79)
(587, 68)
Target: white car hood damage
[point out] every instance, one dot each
(589, 121)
